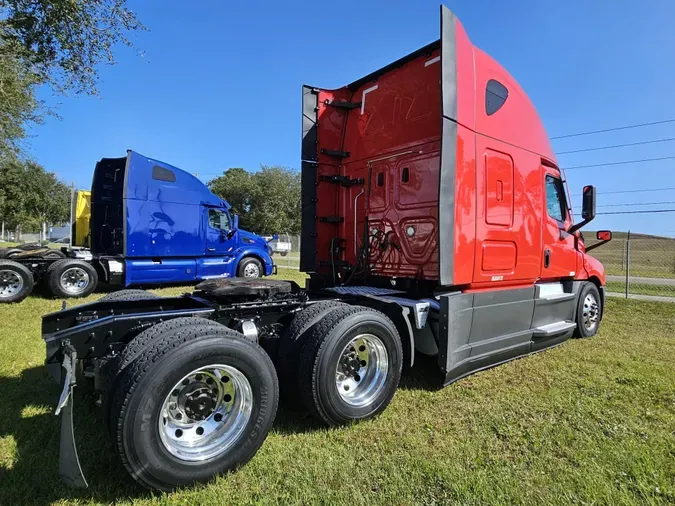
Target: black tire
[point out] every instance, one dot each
(146, 383)
(16, 281)
(252, 261)
(138, 344)
(589, 313)
(128, 294)
(291, 343)
(323, 350)
(145, 338)
(284, 253)
(12, 252)
(53, 255)
(81, 268)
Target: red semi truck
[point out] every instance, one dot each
(435, 219)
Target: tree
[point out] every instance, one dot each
(31, 196)
(267, 201)
(58, 43)
(236, 186)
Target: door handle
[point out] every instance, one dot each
(547, 258)
(210, 249)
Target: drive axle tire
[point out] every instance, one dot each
(53, 255)
(16, 281)
(71, 278)
(128, 294)
(589, 311)
(250, 267)
(351, 365)
(193, 406)
(291, 343)
(175, 327)
(11, 252)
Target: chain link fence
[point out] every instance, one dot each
(286, 258)
(638, 266)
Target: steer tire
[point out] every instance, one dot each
(246, 261)
(13, 289)
(128, 294)
(58, 268)
(137, 406)
(291, 343)
(323, 351)
(582, 330)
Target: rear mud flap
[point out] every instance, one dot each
(69, 463)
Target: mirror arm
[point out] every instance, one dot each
(579, 225)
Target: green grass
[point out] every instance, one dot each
(641, 288)
(589, 422)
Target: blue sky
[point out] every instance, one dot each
(218, 84)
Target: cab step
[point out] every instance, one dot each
(553, 329)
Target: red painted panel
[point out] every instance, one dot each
(465, 206)
(499, 256)
(498, 188)
(525, 228)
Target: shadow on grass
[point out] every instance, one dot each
(26, 417)
(32, 477)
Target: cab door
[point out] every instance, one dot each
(219, 238)
(559, 259)
(219, 254)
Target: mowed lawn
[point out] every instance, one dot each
(589, 422)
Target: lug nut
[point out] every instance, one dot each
(198, 377)
(179, 416)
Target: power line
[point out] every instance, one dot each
(631, 191)
(622, 162)
(626, 127)
(640, 212)
(631, 204)
(615, 146)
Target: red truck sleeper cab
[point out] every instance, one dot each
(436, 172)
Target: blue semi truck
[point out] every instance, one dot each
(151, 223)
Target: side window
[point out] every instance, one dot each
(555, 198)
(495, 96)
(219, 220)
(162, 174)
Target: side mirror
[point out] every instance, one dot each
(587, 209)
(603, 236)
(275, 237)
(588, 204)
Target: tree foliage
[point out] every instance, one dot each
(267, 201)
(29, 195)
(58, 43)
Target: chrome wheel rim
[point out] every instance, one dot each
(74, 280)
(205, 413)
(251, 271)
(591, 312)
(361, 371)
(11, 283)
